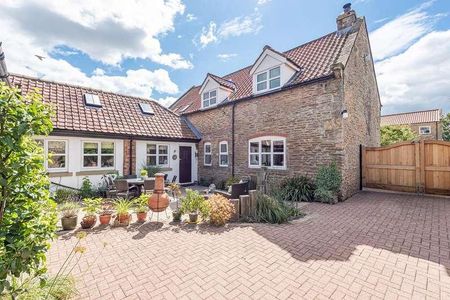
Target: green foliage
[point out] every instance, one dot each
(69, 209)
(63, 195)
(270, 210)
(141, 203)
(394, 134)
(230, 181)
(27, 214)
(220, 210)
(92, 206)
(122, 206)
(446, 127)
(328, 183)
(86, 190)
(144, 172)
(297, 188)
(152, 170)
(194, 202)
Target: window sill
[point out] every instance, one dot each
(95, 172)
(59, 174)
(269, 168)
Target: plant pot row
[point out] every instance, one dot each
(70, 223)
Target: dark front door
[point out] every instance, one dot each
(185, 164)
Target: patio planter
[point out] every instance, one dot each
(105, 219)
(141, 216)
(69, 223)
(122, 220)
(176, 216)
(88, 222)
(193, 218)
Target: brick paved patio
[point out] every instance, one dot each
(374, 245)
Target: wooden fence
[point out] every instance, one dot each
(422, 167)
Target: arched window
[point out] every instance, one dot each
(223, 154)
(267, 151)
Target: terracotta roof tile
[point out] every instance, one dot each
(314, 58)
(119, 114)
(414, 117)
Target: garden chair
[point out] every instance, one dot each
(123, 190)
(149, 185)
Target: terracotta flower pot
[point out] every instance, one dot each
(141, 216)
(193, 218)
(88, 222)
(105, 219)
(69, 223)
(125, 218)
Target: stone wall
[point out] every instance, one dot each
(363, 106)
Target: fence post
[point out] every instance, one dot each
(362, 166)
(422, 167)
(417, 162)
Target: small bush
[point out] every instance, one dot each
(61, 288)
(64, 195)
(194, 202)
(86, 190)
(270, 210)
(220, 210)
(328, 183)
(297, 188)
(69, 209)
(152, 170)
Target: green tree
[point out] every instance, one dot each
(394, 134)
(27, 214)
(446, 127)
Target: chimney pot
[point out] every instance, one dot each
(347, 7)
(347, 19)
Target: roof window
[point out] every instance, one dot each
(146, 108)
(92, 100)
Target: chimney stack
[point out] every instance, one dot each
(346, 19)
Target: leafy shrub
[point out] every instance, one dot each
(122, 206)
(205, 181)
(270, 210)
(220, 210)
(194, 202)
(27, 214)
(64, 195)
(152, 170)
(86, 190)
(392, 134)
(69, 209)
(141, 204)
(297, 188)
(60, 288)
(328, 183)
(92, 206)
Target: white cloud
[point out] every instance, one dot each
(108, 32)
(226, 56)
(98, 72)
(419, 78)
(250, 24)
(262, 2)
(190, 17)
(208, 34)
(168, 101)
(397, 35)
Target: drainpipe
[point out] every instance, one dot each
(4, 76)
(232, 139)
(131, 158)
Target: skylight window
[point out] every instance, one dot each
(92, 100)
(146, 108)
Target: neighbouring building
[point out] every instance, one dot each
(97, 132)
(426, 123)
(291, 111)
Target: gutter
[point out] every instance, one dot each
(4, 75)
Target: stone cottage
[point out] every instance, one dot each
(290, 111)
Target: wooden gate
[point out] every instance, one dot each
(422, 167)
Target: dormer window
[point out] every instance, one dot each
(268, 80)
(92, 100)
(209, 98)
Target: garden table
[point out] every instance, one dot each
(138, 182)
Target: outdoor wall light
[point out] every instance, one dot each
(344, 114)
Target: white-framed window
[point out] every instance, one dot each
(55, 154)
(98, 155)
(267, 151)
(207, 156)
(158, 155)
(268, 80)
(209, 98)
(424, 130)
(223, 154)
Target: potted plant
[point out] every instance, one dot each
(144, 174)
(105, 213)
(175, 190)
(69, 215)
(122, 206)
(91, 207)
(141, 208)
(194, 204)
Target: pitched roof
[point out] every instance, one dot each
(118, 115)
(314, 58)
(223, 82)
(425, 116)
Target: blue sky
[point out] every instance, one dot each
(159, 48)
